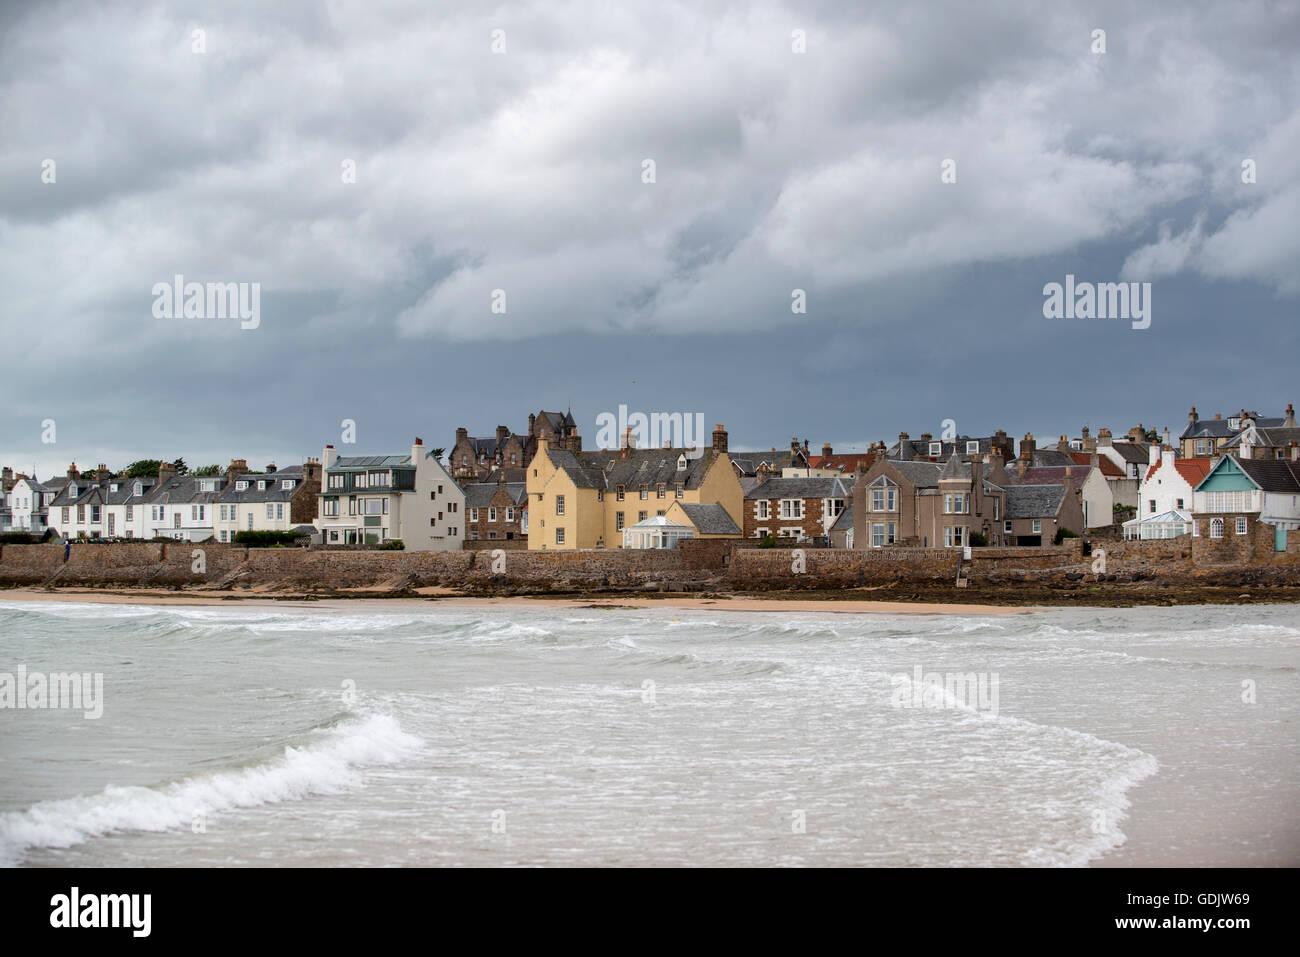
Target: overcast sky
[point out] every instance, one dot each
(523, 171)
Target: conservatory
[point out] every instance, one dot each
(655, 532)
(1169, 524)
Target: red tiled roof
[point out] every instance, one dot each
(844, 463)
(1192, 470)
(1108, 468)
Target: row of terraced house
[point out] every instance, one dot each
(540, 489)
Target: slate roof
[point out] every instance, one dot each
(1051, 458)
(1034, 501)
(605, 469)
(1132, 453)
(1276, 437)
(480, 494)
(1218, 428)
(184, 490)
(920, 448)
(920, 474)
(709, 519)
(1273, 475)
(1046, 475)
(847, 462)
(272, 493)
(814, 487)
(747, 463)
(845, 520)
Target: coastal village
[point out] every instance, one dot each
(1224, 477)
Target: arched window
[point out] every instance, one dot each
(1216, 528)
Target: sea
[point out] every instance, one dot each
(429, 734)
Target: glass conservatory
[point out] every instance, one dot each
(1169, 524)
(655, 532)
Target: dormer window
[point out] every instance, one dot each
(139, 488)
(972, 448)
(241, 486)
(286, 484)
(681, 462)
(261, 486)
(936, 448)
(72, 490)
(112, 487)
(1234, 423)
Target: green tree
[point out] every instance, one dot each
(142, 468)
(181, 467)
(208, 470)
(437, 455)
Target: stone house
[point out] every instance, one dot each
(1208, 437)
(495, 512)
(795, 507)
(926, 504)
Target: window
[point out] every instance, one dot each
(223, 535)
(791, 508)
(286, 484)
(618, 493)
(678, 488)
(1151, 506)
(1006, 528)
(1202, 447)
(94, 513)
(600, 495)
(936, 448)
(332, 507)
(1241, 526)
(130, 512)
(279, 510)
(833, 507)
(972, 448)
(473, 515)
(559, 505)
(762, 509)
(995, 509)
(250, 520)
(618, 521)
(373, 506)
(1179, 504)
(954, 536)
(559, 536)
(65, 515)
(270, 510)
(878, 535)
(81, 515)
(642, 516)
(335, 481)
(659, 492)
(645, 492)
(492, 514)
(510, 515)
(884, 499)
(1038, 526)
(242, 485)
(473, 535)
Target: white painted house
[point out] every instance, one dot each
(372, 499)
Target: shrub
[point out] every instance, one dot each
(978, 539)
(1062, 534)
(18, 538)
(266, 538)
(769, 541)
(393, 545)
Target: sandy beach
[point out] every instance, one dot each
(443, 598)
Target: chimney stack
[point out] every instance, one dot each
(102, 474)
(574, 442)
(328, 457)
(1063, 444)
(166, 472)
(270, 468)
(532, 423)
(826, 450)
(904, 447)
(1089, 443)
(417, 451)
(311, 470)
(503, 433)
(1103, 439)
(719, 438)
(237, 468)
(72, 471)
(1289, 421)
(1027, 448)
(1192, 417)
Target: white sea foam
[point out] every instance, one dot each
(330, 765)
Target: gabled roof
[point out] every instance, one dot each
(1218, 428)
(480, 494)
(803, 487)
(1279, 437)
(1034, 501)
(272, 493)
(919, 474)
(709, 519)
(747, 463)
(1272, 475)
(1049, 475)
(919, 449)
(846, 463)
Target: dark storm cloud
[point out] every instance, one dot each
(522, 171)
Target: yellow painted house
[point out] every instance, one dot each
(582, 499)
